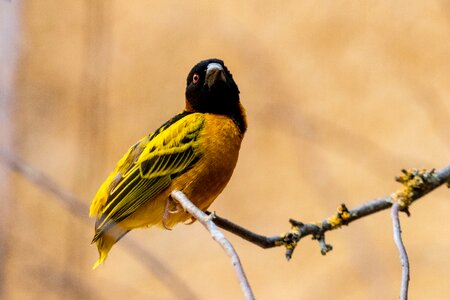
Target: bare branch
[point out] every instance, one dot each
(218, 236)
(401, 248)
(416, 184)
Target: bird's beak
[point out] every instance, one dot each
(214, 73)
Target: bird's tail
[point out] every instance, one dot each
(105, 242)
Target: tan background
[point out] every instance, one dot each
(340, 96)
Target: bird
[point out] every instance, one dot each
(195, 152)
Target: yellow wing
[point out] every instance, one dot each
(146, 169)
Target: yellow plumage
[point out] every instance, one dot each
(195, 152)
(177, 141)
(176, 149)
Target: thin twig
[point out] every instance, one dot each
(402, 250)
(416, 184)
(218, 236)
(80, 210)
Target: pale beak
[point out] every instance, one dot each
(214, 73)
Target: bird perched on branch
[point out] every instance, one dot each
(194, 152)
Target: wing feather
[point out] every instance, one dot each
(147, 169)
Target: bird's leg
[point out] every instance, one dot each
(166, 213)
(168, 210)
(190, 221)
(177, 209)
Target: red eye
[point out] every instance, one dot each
(195, 78)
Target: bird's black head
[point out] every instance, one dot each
(211, 89)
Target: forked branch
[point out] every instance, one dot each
(416, 183)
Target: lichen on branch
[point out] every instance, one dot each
(415, 184)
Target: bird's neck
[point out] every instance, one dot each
(239, 117)
(237, 114)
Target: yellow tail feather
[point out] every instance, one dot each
(100, 260)
(106, 241)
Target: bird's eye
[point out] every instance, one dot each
(195, 78)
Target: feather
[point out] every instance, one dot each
(147, 169)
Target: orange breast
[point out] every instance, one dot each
(219, 143)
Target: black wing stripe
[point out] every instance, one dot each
(121, 190)
(141, 196)
(141, 181)
(143, 191)
(137, 192)
(132, 187)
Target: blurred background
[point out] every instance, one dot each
(340, 96)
